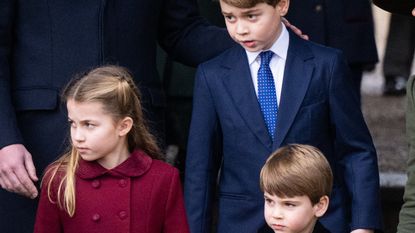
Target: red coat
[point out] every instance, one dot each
(140, 195)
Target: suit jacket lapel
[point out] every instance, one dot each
(297, 75)
(238, 82)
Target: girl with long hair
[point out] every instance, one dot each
(112, 178)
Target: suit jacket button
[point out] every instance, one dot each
(122, 214)
(96, 217)
(122, 183)
(96, 184)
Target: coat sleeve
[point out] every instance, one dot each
(407, 214)
(175, 220)
(188, 37)
(200, 175)
(9, 132)
(354, 150)
(47, 216)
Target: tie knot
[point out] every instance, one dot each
(266, 57)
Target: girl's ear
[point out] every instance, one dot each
(321, 207)
(124, 126)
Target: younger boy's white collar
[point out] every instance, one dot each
(280, 46)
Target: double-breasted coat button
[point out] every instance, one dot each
(122, 214)
(96, 184)
(96, 217)
(122, 183)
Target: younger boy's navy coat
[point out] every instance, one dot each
(318, 107)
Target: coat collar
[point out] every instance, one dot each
(136, 165)
(299, 69)
(237, 80)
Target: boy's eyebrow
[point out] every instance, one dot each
(267, 195)
(226, 13)
(244, 12)
(250, 11)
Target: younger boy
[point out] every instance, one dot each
(271, 90)
(296, 181)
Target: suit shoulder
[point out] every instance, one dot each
(309, 49)
(323, 51)
(222, 58)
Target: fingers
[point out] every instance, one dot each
(30, 167)
(5, 180)
(19, 182)
(413, 12)
(297, 31)
(24, 185)
(293, 28)
(17, 171)
(285, 22)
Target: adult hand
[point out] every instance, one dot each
(413, 12)
(17, 171)
(362, 231)
(294, 28)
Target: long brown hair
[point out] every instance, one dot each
(114, 88)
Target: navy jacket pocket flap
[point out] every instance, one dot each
(35, 99)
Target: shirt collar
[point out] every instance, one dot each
(280, 46)
(136, 165)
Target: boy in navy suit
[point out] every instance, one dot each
(271, 90)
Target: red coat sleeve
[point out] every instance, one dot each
(175, 220)
(47, 216)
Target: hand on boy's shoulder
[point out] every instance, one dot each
(362, 231)
(294, 29)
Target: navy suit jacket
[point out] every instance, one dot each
(318, 106)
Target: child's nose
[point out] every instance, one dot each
(241, 28)
(77, 135)
(277, 213)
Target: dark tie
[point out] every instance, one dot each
(267, 97)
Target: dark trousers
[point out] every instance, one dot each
(400, 47)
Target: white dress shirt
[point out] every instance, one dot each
(277, 63)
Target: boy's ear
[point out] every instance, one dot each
(125, 126)
(321, 207)
(283, 6)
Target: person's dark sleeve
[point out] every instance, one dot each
(186, 36)
(355, 151)
(201, 174)
(9, 132)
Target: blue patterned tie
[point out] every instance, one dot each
(267, 94)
